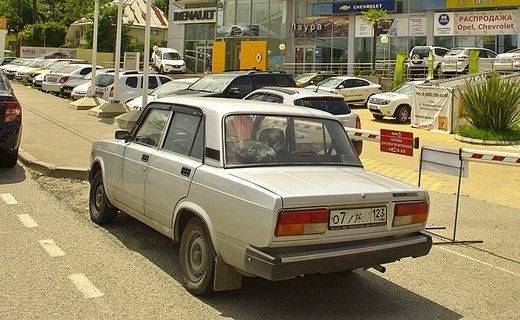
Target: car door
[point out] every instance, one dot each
(171, 169)
(137, 154)
(352, 90)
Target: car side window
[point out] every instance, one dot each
(165, 79)
(281, 81)
(257, 97)
(185, 135)
(151, 129)
(274, 98)
(131, 82)
(85, 71)
(152, 82)
(244, 84)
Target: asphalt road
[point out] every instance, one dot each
(56, 264)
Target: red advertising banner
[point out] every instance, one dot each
(398, 142)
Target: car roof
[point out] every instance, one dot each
(220, 107)
(307, 92)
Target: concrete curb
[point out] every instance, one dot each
(51, 170)
(487, 142)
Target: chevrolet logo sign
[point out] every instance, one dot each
(344, 8)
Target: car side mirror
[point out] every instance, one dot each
(341, 87)
(122, 134)
(234, 91)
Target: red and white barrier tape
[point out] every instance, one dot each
(490, 156)
(360, 134)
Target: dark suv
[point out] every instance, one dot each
(237, 84)
(10, 123)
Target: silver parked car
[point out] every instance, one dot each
(256, 189)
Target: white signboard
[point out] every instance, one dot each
(486, 22)
(442, 160)
(47, 52)
(432, 108)
(131, 60)
(400, 27)
(444, 24)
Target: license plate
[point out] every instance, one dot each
(357, 218)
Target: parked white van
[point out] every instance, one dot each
(166, 60)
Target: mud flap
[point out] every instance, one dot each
(226, 277)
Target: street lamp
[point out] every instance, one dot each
(384, 40)
(281, 47)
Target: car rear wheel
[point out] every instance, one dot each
(100, 210)
(402, 114)
(197, 258)
(8, 159)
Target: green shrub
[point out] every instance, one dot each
(492, 106)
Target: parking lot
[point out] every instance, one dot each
(473, 281)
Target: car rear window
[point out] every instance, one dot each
(455, 52)
(422, 52)
(335, 106)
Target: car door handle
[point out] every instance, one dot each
(145, 157)
(185, 171)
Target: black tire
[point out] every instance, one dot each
(197, 258)
(8, 159)
(101, 212)
(402, 114)
(378, 116)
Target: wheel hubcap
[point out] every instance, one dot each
(196, 258)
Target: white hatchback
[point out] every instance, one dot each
(354, 90)
(456, 61)
(129, 86)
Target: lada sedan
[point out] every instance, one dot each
(254, 189)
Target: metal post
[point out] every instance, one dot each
(94, 49)
(117, 58)
(146, 65)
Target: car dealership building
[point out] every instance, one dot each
(305, 35)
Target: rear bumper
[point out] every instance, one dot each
(10, 136)
(287, 263)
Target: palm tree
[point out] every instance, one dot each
(374, 17)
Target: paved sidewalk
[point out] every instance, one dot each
(57, 141)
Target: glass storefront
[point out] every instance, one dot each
(311, 35)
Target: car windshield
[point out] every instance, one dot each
(271, 140)
(172, 56)
(215, 83)
(332, 82)
(336, 106)
(404, 88)
(104, 79)
(304, 77)
(169, 88)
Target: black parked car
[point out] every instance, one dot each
(237, 84)
(10, 123)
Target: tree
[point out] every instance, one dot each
(49, 34)
(107, 29)
(374, 17)
(18, 14)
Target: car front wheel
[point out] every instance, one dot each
(197, 258)
(402, 114)
(377, 116)
(100, 210)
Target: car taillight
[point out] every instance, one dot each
(410, 213)
(358, 144)
(302, 222)
(358, 122)
(462, 58)
(64, 79)
(13, 112)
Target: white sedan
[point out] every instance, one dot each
(508, 62)
(164, 90)
(355, 90)
(256, 189)
(396, 103)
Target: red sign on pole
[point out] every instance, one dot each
(398, 142)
